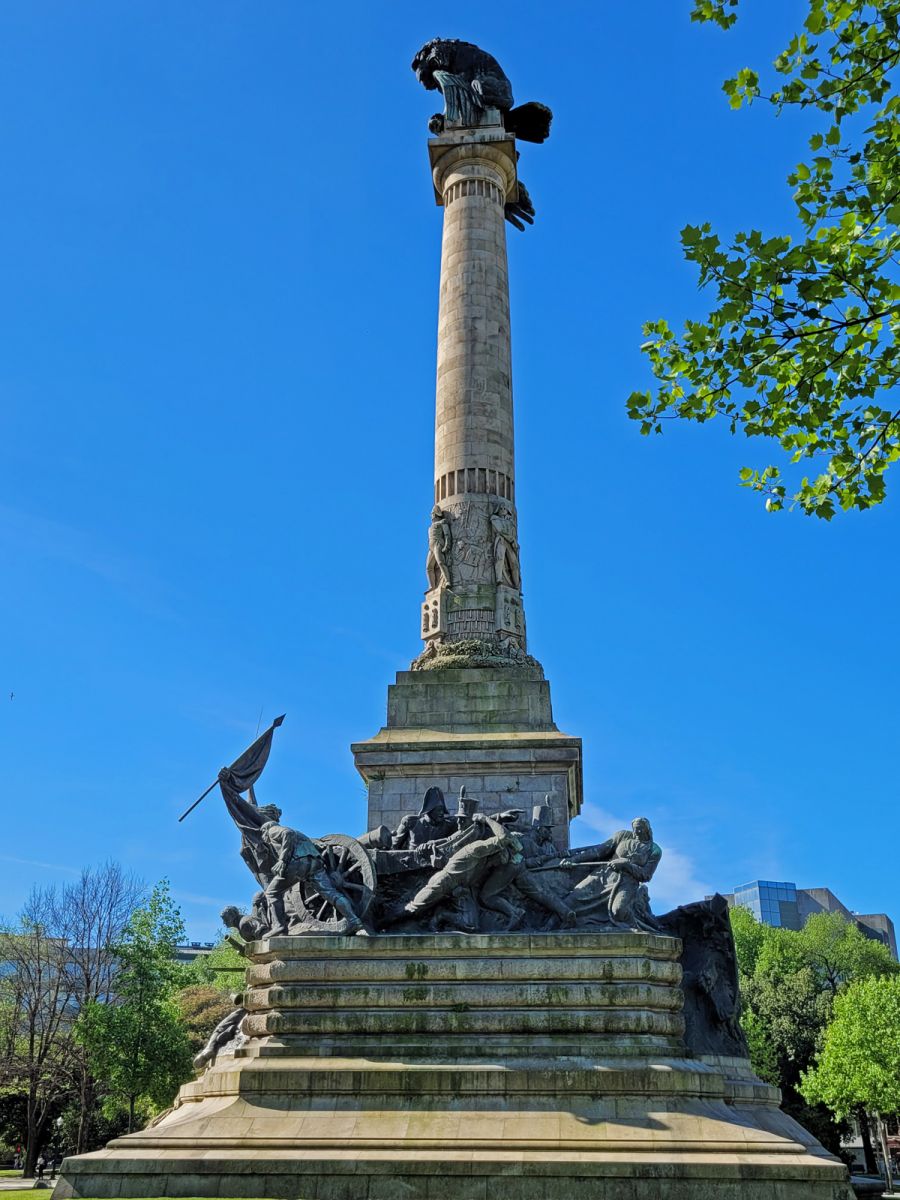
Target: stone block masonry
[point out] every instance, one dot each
(474, 173)
(440, 1067)
(490, 729)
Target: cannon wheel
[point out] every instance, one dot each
(352, 872)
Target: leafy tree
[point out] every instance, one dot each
(789, 980)
(749, 937)
(37, 994)
(801, 344)
(98, 907)
(59, 956)
(785, 1012)
(858, 1069)
(224, 967)
(837, 951)
(859, 1064)
(137, 1043)
(96, 1127)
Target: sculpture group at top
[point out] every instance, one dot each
(472, 83)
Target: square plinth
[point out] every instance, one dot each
(491, 730)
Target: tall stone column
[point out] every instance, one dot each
(473, 569)
(475, 709)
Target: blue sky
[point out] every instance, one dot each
(220, 252)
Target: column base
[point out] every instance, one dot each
(475, 654)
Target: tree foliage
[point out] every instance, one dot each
(838, 952)
(97, 1020)
(801, 344)
(789, 980)
(201, 1006)
(137, 1042)
(98, 907)
(58, 956)
(224, 967)
(859, 1064)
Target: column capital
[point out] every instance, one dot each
(464, 150)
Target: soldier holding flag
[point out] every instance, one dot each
(279, 857)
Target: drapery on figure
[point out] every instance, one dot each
(506, 547)
(440, 539)
(615, 891)
(470, 81)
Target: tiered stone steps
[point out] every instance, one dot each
(461, 1067)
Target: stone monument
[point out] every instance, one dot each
(475, 707)
(454, 1004)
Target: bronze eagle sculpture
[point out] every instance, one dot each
(471, 80)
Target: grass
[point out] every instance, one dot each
(33, 1194)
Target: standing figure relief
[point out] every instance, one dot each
(506, 548)
(440, 540)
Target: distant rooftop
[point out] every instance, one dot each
(191, 950)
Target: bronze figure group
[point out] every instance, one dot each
(469, 871)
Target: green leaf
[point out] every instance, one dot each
(800, 341)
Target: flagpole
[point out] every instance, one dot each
(196, 802)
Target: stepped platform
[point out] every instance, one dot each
(448, 1067)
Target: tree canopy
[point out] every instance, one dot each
(801, 344)
(138, 1043)
(789, 981)
(58, 957)
(98, 1021)
(859, 1065)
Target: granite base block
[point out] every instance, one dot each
(451, 1067)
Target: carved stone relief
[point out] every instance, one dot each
(510, 615)
(505, 547)
(471, 555)
(440, 543)
(434, 614)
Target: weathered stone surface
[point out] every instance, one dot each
(474, 174)
(490, 730)
(336, 1100)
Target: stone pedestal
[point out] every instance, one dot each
(462, 1068)
(491, 729)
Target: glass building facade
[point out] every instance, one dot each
(786, 906)
(771, 902)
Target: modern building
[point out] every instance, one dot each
(786, 906)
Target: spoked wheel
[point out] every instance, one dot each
(351, 871)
